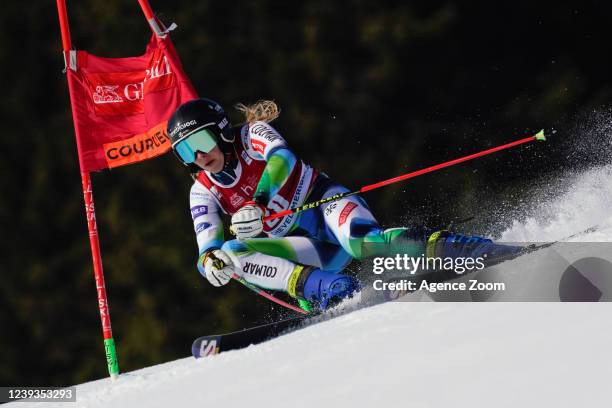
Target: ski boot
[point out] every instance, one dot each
(318, 289)
(445, 244)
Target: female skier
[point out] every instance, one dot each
(249, 172)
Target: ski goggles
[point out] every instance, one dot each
(202, 140)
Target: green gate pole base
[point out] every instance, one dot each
(111, 358)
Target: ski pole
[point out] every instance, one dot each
(268, 296)
(538, 136)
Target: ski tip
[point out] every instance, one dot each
(540, 136)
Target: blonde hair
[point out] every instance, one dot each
(264, 110)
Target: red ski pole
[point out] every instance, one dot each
(538, 136)
(268, 296)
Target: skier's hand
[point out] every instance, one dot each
(247, 222)
(217, 266)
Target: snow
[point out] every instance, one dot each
(416, 354)
(585, 203)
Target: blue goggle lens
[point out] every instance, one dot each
(202, 140)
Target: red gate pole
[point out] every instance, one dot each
(155, 27)
(109, 342)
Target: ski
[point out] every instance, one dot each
(210, 345)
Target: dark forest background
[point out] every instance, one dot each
(368, 90)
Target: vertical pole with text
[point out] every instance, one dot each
(109, 342)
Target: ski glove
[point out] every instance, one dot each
(247, 222)
(216, 266)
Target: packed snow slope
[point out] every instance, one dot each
(417, 354)
(398, 354)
